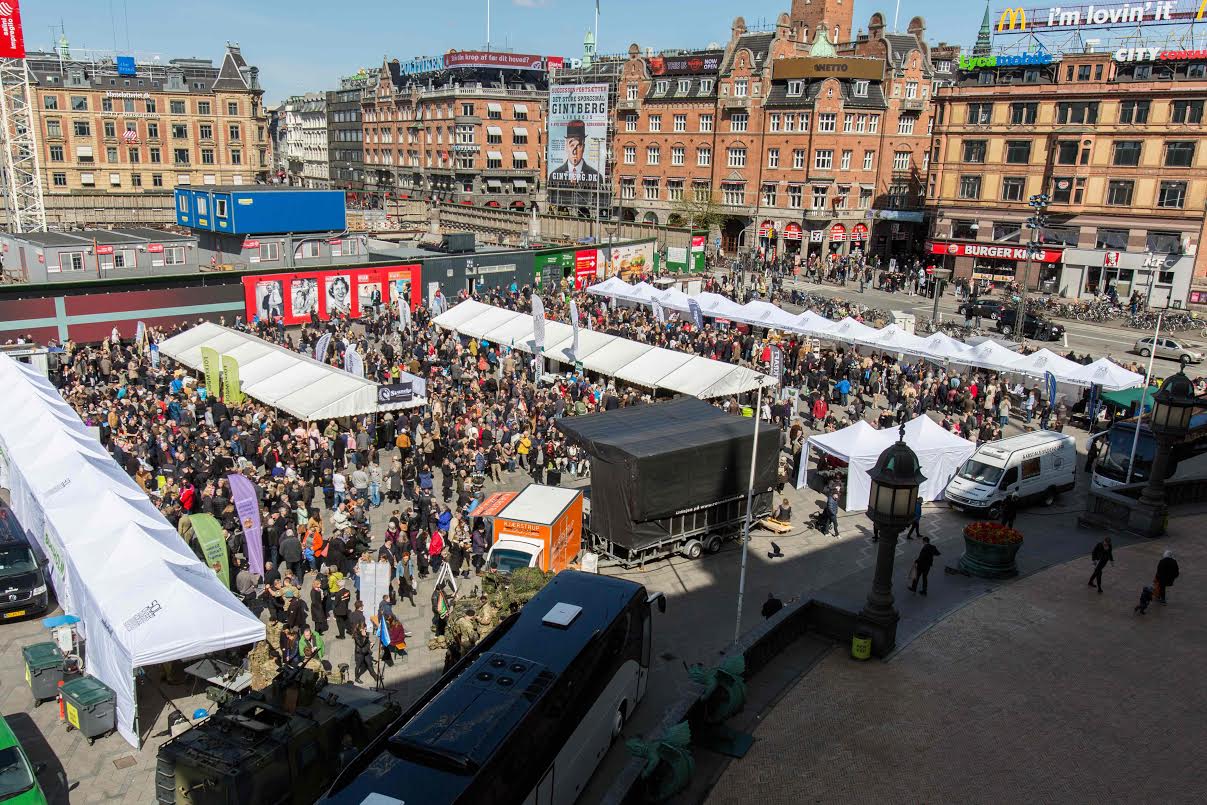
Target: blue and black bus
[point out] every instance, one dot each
(528, 714)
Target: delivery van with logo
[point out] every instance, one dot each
(541, 527)
(23, 590)
(1034, 466)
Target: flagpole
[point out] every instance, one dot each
(1148, 379)
(754, 452)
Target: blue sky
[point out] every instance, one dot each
(302, 45)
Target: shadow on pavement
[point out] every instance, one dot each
(52, 778)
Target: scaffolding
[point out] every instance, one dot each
(22, 180)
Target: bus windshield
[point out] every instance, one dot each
(980, 473)
(1117, 449)
(505, 561)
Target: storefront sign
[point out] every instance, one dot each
(102, 249)
(859, 232)
(1018, 19)
(698, 243)
(391, 393)
(793, 232)
(1198, 297)
(766, 230)
(992, 274)
(687, 64)
(125, 65)
(424, 65)
(1156, 54)
(251, 244)
(817, 235)
(837, 67)
(1022, 60)
(12, 40)
(1110, 260)
(508, 61)
(155, 248)
(994, 251)
(838, 232)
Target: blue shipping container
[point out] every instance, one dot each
(261, 209)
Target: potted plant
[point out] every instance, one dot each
(989, 550)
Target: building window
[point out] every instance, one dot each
(1135, 112)
(796, 88)
(176, 107)
(701, 191)
(206, 131)
(1187, 112)
(154, 155)
(651, 189)
(234, 130)
(738, 121)
(848, 124)
(790, 121)
(1172, 195)
(736, 157)
(152, 131)
(110, 129)
(54, 128)
(1066, 152)
(180, 156)
(631, 92)
(111, 154)
(873, 124)
(133, 155)
(56, 153)
(798, 159)
(680, 123)
(655, 123)
(207, 156)
(769, 195)
(1067, 190)
(823, 159)
(827, 122)
(270, 252)
(630, 155)
(705, 123)
(795, 196)
(860, 89)
(1024, 113)
(1018, 152)
(677, 154)
(905, 124)
(868, 156)
(661, 86)
(156, 180)
(974, 151)
(980, 114)
(970, 187)
(865, 198)
(1076, 113)
(733, 193)
(652, 155)
(1179, 153)
(50, 102)
(740, 88)
(173, 255)
(71, 261)
(1012, 188)
(674, 189)
(467, 110)
(232, 108)
(1119, 192)
(682, 86)
(82, 128)
(1111, 239)
(180, 131)
(58, 179)
(1164, 242)
(79, 103)
(703, 157)
(1126, 153)
(819, 196)
(773, 157)
(845, 162)
(705, 86)
(901, 160)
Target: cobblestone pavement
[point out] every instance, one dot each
(1042, 691)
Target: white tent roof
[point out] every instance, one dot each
(850, 330)
(1044, 360)
(142, 596)
(942, 347)
(290, 381)
(718, 306)
(672, 298)
(611, 287)
(1110, 375)
(893, 339)
(765, 314)
(989, 354)
(811, 323)
(940, 453)
(631, 361)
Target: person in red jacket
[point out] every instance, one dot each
(435, 548)
(820, 410)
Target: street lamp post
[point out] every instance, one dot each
(1036, 224)
(895, 482)
(1173, 405)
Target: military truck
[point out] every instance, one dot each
(283, 745)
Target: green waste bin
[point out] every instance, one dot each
(43, 670)
(89, 706)
(861, 646)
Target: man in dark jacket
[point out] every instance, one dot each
(926, 558)
(291, 553)
(1009, 510)
(295, 612)
(1167, 572)
(1101, 555)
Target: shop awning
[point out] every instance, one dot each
(494, 155)
(519, 156)
(494, 131)
(521, 108)
(494, 183)
(520, 131)
(494, 107)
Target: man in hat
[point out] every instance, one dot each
(575, 168)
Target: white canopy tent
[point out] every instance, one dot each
(940, 453)
(142, 596)
(1041, 361)
(893, 339)
(1111, 376)
(610, 355)
(287, 380)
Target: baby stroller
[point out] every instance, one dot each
(820, 519)
(477, 481)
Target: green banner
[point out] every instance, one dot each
(209, 535)
(209, 362)
(231, 393)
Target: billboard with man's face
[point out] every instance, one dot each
(578, 138)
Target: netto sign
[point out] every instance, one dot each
(817, 67)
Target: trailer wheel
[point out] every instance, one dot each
(693, 549)
(713, 543)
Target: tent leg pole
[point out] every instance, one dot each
(754, 452)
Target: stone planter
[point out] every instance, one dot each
(989, 560)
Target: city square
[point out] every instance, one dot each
(815, 413)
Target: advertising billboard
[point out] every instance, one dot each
(507, 61)
(706, 61)
(586, 268)
(1020, 19)
(630, 261)
(578, 135)
(349, 293)
(12, 40)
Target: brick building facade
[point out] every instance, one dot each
(1118, 145)
(148, 126)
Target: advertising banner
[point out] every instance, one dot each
(392, 393)
(574, 324)
(995, 251)
(231, 393)
(247, 504)
(507, 61)
(706, 61)
(630, 260)
(320, 349)
(777, 363)
(346, 293)
(212, 541)
(209, 362)
(586, 268)
(552, 267)
(353, 363)
(578, 132)
(12, 39)
(538, 322)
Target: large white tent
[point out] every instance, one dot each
(940, 453)
(142, 596)
(610, 355)
(287, 380)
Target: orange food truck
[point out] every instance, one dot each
(541, 527)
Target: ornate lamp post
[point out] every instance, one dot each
(1173, 405)
(895, 481)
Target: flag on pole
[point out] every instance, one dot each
(353, 363)
(210, 364)
(697, 315)
(538, 322)
(1051, 379)
(659, 313)
(231, 393)
(320, 349)
(574, 324)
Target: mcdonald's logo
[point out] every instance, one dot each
(1202, 9)
(1018, 19)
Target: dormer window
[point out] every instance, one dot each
(796, 88)
(860, 89)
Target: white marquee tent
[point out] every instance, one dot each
(142, 596)
(940, 452)
(287, 380)
(610, 355)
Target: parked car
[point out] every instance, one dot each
(1165, 347)
(983, 308)
(18, 777)
(1034, 326)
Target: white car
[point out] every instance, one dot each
(1166, 347)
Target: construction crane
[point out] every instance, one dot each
(22, 179)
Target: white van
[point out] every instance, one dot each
(1035, 466)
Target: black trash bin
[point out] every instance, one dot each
(90, 707)
(43, 670)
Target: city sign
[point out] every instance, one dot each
(1156, 54)
(12, 40)
(836, 67)
(1022, 60)
(686, 64)
(1018, 19)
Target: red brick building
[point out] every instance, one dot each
(802, 144)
